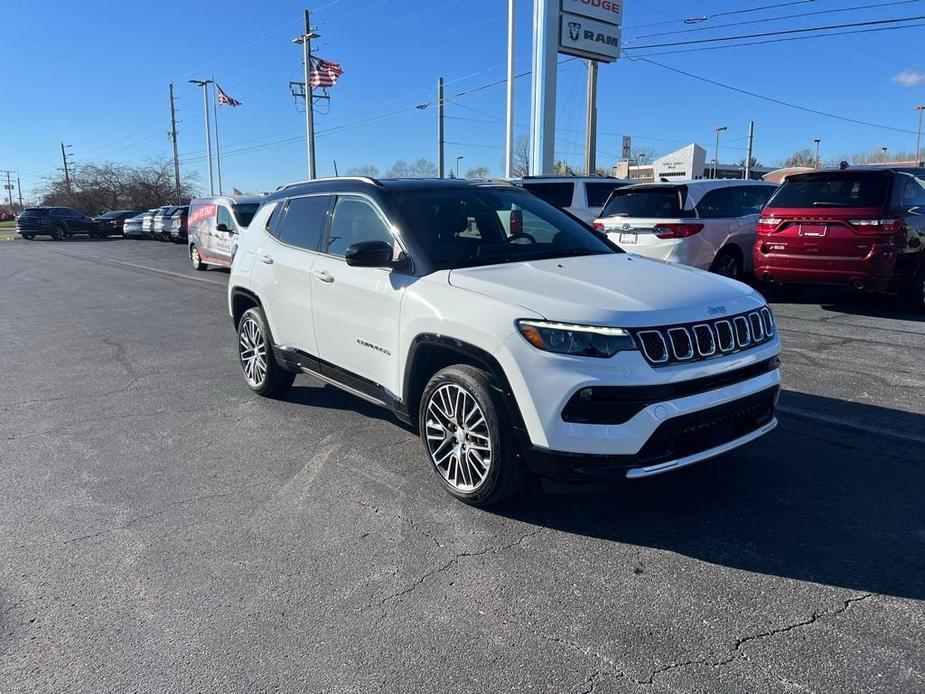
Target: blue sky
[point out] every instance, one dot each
(100, 83)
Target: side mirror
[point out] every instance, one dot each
(223, 227)
(369, 254)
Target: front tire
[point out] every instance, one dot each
(198, 263)
(28, 237)
(255, 352)
(468, 436)
(58, 233)
(917, 290)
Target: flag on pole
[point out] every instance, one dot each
(325, 74)
(224, 99)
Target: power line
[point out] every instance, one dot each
(781, 33)
(693, 20)
(773, 100)
(775, 19)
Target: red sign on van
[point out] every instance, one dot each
(200, 213)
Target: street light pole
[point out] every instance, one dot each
(441, 132)
(306, 41)
(509, 116)
(817, 141)
(457, 164)
(717, 130)
(205, 105)
(918, 137)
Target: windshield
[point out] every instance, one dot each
(469, 227)
(661, 201)
(245, 212)
(850, 189)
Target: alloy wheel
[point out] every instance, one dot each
(253, 350)
(458, 438)
(197, 259)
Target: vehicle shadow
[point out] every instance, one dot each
(811, 501)
(318, 394)
(845, 301)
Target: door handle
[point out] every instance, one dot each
(264, 258)
(324, 276)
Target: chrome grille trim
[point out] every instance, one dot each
(645, 351)
(768, 321)
(709, 339)
(742, 341)
(756, 325)
(702, 331)
(689, 352)
(727, 345)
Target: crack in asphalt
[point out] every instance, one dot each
(166, 509)
(742, 641)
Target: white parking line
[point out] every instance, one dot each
(840, 421)
(163, 272)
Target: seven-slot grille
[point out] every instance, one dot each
(677, 344)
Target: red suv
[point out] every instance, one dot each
(862, 226)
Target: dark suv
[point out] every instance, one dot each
(57, 222)
(861, 226)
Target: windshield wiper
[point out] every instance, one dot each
(823, 203)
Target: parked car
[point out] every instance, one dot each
(709, 224)
(57, 222)
(160, 226)
(132, 229)
(177, 226)
(147, 222)
(582, 196)
(111, 223)
(550, 351)
(215, 224)
(860, 226)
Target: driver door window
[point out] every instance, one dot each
(354, 220)
(223, 216)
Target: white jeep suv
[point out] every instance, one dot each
(515, 338)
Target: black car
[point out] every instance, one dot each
(57, 222)
(111, 223)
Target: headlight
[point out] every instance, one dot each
(581, 340)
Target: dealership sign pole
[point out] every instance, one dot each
(585, 29)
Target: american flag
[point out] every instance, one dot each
(325, 74)
(224, 99)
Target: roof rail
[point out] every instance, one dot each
(365, 179)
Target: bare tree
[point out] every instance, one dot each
(477, 172)
(520, 166)
(399, 169)
(802, 157)
(96, 188)
(643, 155)
(370, 170)
(878, 155)
(423, 168)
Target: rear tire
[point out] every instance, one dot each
(728, 263)
(255, 354)
(198, 263)
(917, 290)
(468, 436)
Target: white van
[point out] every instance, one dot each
(214, 225)
(582, 196)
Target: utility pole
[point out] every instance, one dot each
(9, 188)
(205, 105)
(441, 159)
(19, 190)
(543, 89)
(173, 138)
(509, 123)
(751, 144)
(306, 41)
(918, 138)
(67, 172)
(218, 146)
(591, 120)
(717, 130)
(817, 141)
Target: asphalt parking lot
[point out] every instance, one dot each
(163, 529)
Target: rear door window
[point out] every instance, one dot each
(849, 189)
(656, 202)
(223, 216)
(599, 192)
(556, 194)
(304, 221)
(752, 199)
(719, 203)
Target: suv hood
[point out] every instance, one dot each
(623, 290)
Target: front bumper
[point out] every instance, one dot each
(677, 443)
